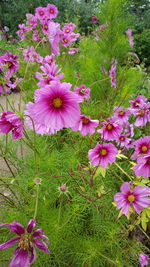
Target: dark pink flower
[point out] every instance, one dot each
(66, 40)
(85, 125)
(143, 166)
(143, 259)
(9, 64)
(49, 60)
(123, 140)
(103, 154)
(68, 28)
(36, 36)
(45, 28)
(137, 103)
(138, 198)
(83, 92)
(51, 11)
(25, 253)
(111, 130)
(142, 115)
(55, 107)
(142, 147)
(9, 121)
(31, 21)
(94, 19)
(40, 13)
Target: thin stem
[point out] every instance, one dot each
(123, 171)
(109, 260)
(37, 198)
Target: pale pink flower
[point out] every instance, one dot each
(143, 166)
(111, 130)
(83, 92)
(31, 21)
(142, 115)
(143, 259)
(103, 154)
(121, 115)
(22, 30)
(73, 51)
(138, 198)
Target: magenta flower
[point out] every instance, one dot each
(143, 259)
(9, 121)
(25, 253)
(83, 92)
(94, 19)
(112, 73)
(111, 130)
(13, 84)
(31, 21)
(36, 36)
(45, 28)
(142, 147)
(129, 32)
(54, 37)
(143, 166)
(40, 13)
(85, 125)
(128, 129)
(49, 60)
(123, 140)
(55, 107)
(51, 11)
(68, 28)
(28, 53)
(63, 188)
(22, 30)
(138, 198)
(103, 154)
(137, 103)
(66, 40)
(73, 51)
(6, 90)
(121, 115)
(142, 115)
(9, 64)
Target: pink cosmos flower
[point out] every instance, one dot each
(54, 37)
(121, 115)
(9, 121)
(66, 40)
(136, 103)
(25, 253)
(143, 166)
(37, 58)
(36, 36)
(22, 30)
(128, 129)
(28, 53)
(9, 64)
(45, 28)
(63, 188)
(138, 198)
(49, 60)
(103, 154)
(40, 13)
(129, 32)
(111, 130)
(83, 92)
(142, 115)
(112, 73)
(31, 21)
(94, 19)
(143, 259)
(14, 83)
(74, 36)
(73, 51)
(131, 41)
(68, 28)
(55, 107)
(123, 140)
(142, 147)
(85, 125)
(6, 90)
(51, 11)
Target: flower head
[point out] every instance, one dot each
(55, 107)
(9, 64)
(111, 130)
(27, 240)
(143, 166)
(85, 125)
(103, 154)
(54, 37)
(142, 147)
(40, 13)
(143, 259)
(9, 121)
(121, 115)
(142, 115)
(94, 19)
(83, 92)
(138, 198)
(51, 11)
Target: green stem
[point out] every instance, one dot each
(36, 203)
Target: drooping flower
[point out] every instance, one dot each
(142, 115)
(111, 130)
(85, 125)
(121, 115)
(143, 166)
(142, 147)
(4, 90)
(9, 64)
(25, 253)
(9, 121)
(83, 92)
(55, 107)
(137, 197)
(51, 11)
(103, 154)
(143, 259)
(54, 37)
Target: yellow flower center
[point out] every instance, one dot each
(122, 138)
(45, 27)
(109, 127)
(131, 198)
(103, 152)
(9, 64)
(144, 148)
(85, 120)
(67, 30)
(57, 102)
(136, 104)
(51, 11)
(65, 41)
(82, 91)
(121, 113)
(41, 13)
(141, 113)
(49, 61)
(25, 242)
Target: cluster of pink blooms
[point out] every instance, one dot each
(112, 73)
(31, 55)
(8, 66)
(143, 259)
(26, 240)
(131, 39)
(50, 30)
(10, 122)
